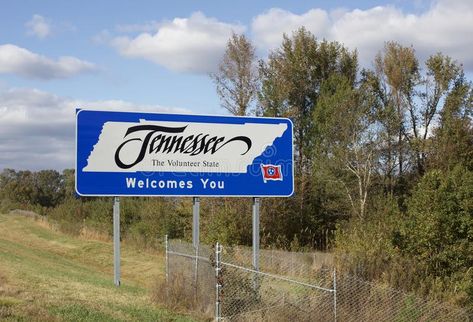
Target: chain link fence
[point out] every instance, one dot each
(191, 270)
(359, 300)
(222, 284)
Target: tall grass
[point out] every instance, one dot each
(46, 275)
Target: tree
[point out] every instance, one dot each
(409, 101)
(438, 232)
(49, 188)
(394, 80)
(44, 188)
(236, 77)
(453, 138)
(347, 136)
(18, 186)
(292, 78)
(441, 74)
(291, 81)
(69, 183)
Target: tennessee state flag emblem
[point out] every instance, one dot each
(271, 172)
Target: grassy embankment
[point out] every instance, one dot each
(46, 275)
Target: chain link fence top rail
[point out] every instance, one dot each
(291, 287)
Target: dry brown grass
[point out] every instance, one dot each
(16, 302)
(46, 275)
(88, 233)
(180, 295)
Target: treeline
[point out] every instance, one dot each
(383, 156)
(384, 166)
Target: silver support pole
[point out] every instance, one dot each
(256, 204)
(195, 221)
(116, 241)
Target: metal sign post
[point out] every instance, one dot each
(116, 241)
(195, 221)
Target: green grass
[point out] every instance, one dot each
(46, 275)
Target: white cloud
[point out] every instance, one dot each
(20, 61)
(446, 26)
(195, 44)
(38, 130)
(269, 27)
(150, 26)
(38, 26)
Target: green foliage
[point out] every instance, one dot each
(142, 220)
(440, 223)
(453, 139)
(44, 188)
(439, 230)
(363, 246)
(226, 220)
(428, 250)
(147, 220)
(292, 83)
(292, 79)
(346, 153)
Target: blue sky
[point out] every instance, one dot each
(156, 56)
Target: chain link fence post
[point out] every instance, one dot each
(166, 245)
(166, 268)
(218, 260)
(335, 294)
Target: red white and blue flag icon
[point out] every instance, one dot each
(271, 172)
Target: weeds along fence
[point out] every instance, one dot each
(220, 283)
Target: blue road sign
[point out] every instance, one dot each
(152, 154)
